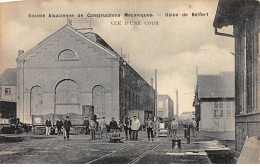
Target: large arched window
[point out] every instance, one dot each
(36, 100)
(98, 97)
(67, 97)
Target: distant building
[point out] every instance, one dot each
(8, 99)
(70, 73)
(8, 85)
(244, 16)
(188, 115)
(215, 102)
(165, 107)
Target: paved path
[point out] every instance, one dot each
(81, 149)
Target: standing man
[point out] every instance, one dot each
(103, 127)
(67, 125)
(135, 127)
(48, 127)
(193, 126)
(86, 124)
(174, 127)
(127, 127)
(156, 126)
(59, 125)
(169, 127)
(92, 127)
(149, 127)
(113, 125)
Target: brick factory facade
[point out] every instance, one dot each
(70, 72)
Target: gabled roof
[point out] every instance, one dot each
(9, 77)
(96, 38)
(97, 41)
(230, 12)
(216, 86)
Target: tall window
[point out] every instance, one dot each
(160, 104)
(215, 109)
(67, 97)
(36, 100)
(220, 109)
(129, 101)
(8, 91)
(228, 106)
(98, 97)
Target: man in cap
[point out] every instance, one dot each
(135, 127)
(48, 127)
(67, 125)
(113, 125)
(149, 127)
(86, 124)
(103, 127)
(127, 127)
(59, 125)
(92, 127)
(174, 128)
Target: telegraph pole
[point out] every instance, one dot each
(155, 99)
(177, 105)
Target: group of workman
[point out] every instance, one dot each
(131, 127)
(65, 126)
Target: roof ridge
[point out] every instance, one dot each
(44, 40)
(73, 30)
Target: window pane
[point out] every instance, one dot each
(220, 113)
(7, 91)
(228, 113)
(215, 104)
(160, 104)
(215, 113)
(220, 104)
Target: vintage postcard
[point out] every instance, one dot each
(129, 82)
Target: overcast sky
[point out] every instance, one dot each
(174, 47)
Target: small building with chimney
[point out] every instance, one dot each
(215, 102)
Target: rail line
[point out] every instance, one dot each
(147, 152)
(104, 156)
(149, 147)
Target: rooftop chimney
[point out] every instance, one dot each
(152, 82)
(20, 52)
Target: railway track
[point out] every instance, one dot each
(130, 146)
(153, 147)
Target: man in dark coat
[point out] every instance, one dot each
(48, 127)
(113, 125)
(127, 127)
(59, 125)
(149, 127)
(86, 124)
(67, 125)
